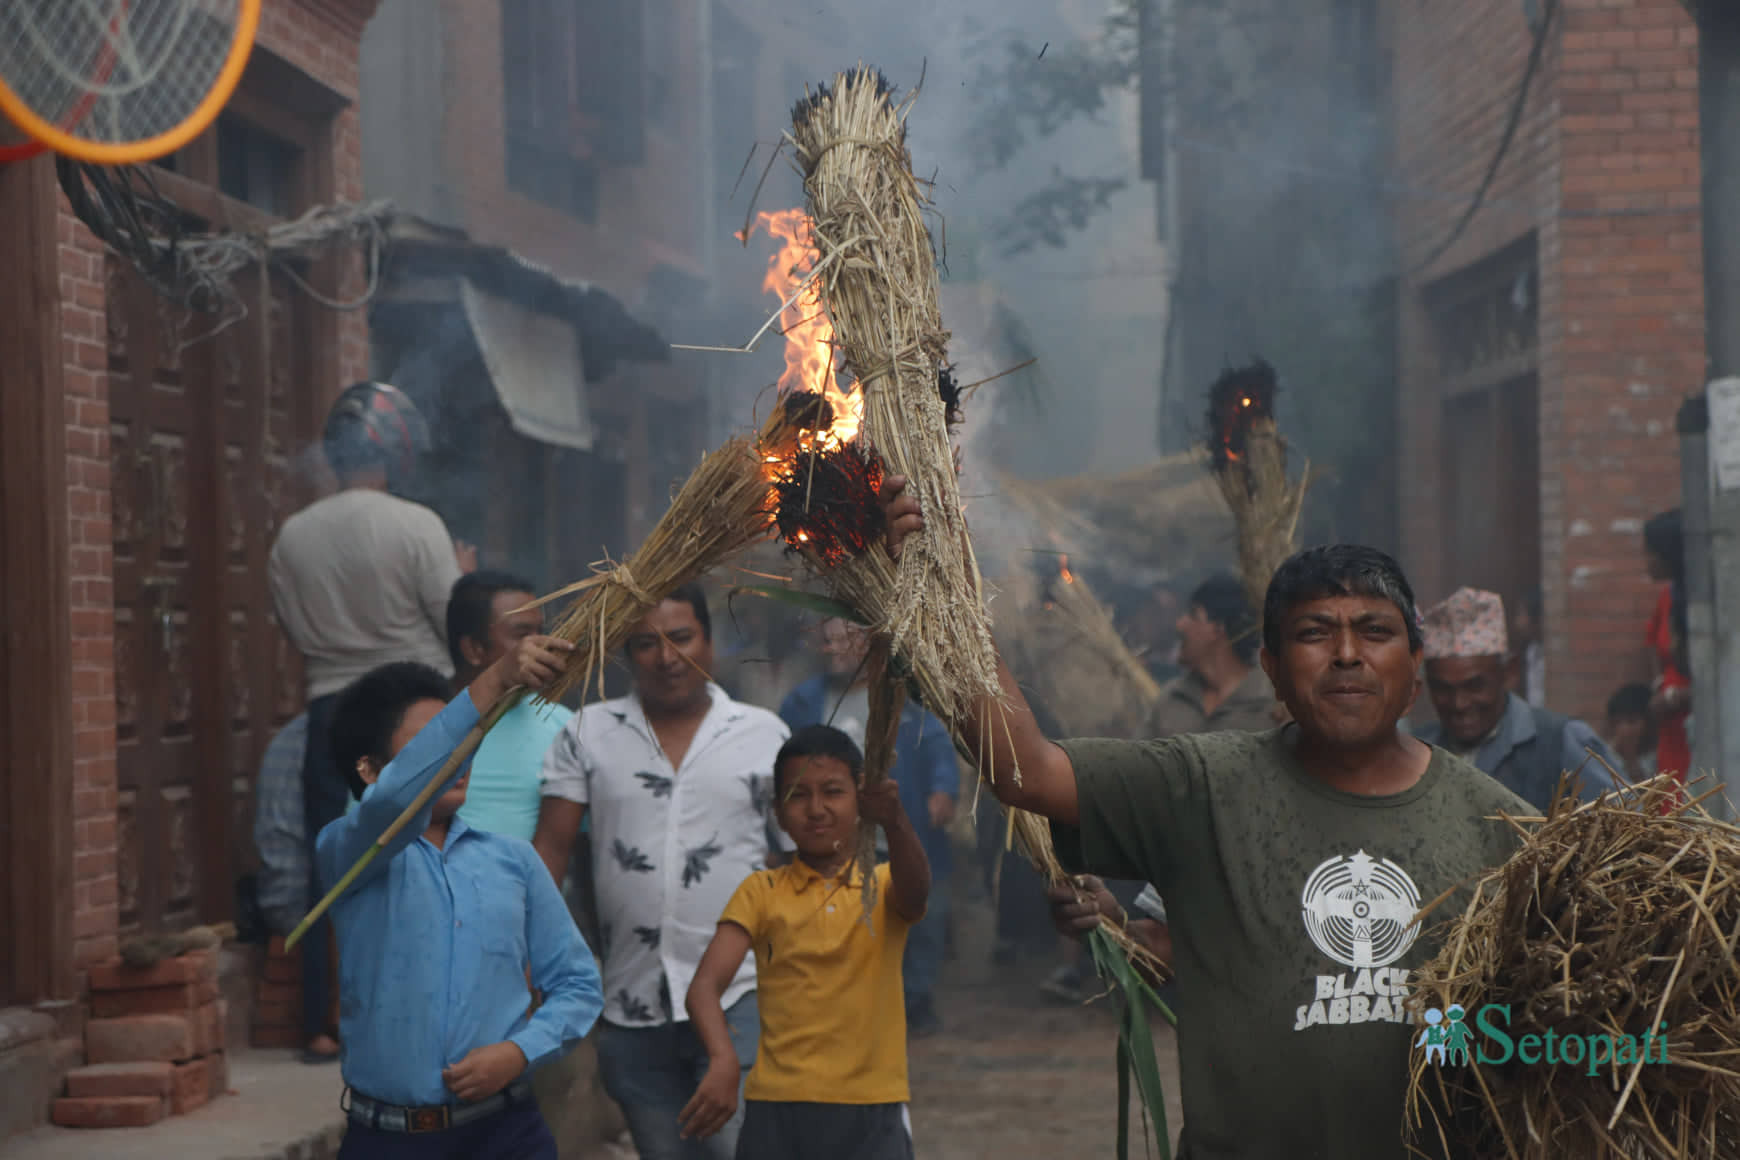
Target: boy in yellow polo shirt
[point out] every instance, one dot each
(829, 1081)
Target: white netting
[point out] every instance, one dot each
(114, 70)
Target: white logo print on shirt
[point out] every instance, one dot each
(1359, 911)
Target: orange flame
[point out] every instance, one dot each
(1063, 569)
(809, 332)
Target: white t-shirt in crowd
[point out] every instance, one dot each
(360, 579)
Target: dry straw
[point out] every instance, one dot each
(1611, 920)
(878, 280)
(1265, 507)
(721, 510)
(1248, 459)
(1067, 649)
(879, 286)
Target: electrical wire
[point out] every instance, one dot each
(128, 213)
(1536, 52)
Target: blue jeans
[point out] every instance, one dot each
(653, 1071)
(925, 944)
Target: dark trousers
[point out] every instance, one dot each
(516, 1133)
(779, 1130)
(325, 794)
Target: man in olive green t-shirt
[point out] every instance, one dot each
(1299, 860)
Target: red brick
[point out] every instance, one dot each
(191, 1086)
(194, 967)
(140, 1037)
(110, 1112)
(104, 1080)
(209, 1027)
(176, 1000)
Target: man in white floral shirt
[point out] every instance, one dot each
(679, 781)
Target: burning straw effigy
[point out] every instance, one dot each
(878, 282)
(1248, 458)
(1615, 925)
(874, 273)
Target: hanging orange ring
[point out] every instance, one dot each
(150, 148)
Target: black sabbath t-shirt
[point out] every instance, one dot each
(1293, 923)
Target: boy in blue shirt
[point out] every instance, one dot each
(438, 935)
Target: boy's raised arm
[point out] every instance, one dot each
(715, 1100)
(342, 842)
(534, 663)
(908, 868)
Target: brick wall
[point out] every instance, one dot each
(90, 572)
(1632, 326)
(1604, 171)
(320, 36)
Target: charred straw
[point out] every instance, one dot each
(1248, 459)
(948, 389)
(1239, 399)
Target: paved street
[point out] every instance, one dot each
(1014, 1078)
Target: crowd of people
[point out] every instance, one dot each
(745, 995)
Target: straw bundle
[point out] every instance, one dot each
(879, 286)
(1064, 645)
(720, 510)
(1611, 920)
(1249, 462)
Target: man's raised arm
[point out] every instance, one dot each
(1001, 737)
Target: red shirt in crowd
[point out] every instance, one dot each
(1673, 751)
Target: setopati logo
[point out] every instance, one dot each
(1449, 1041)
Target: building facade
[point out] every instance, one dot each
(147, 465)
(1547, 341)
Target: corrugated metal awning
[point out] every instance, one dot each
(534, 362)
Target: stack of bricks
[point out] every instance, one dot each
(154, 1045)
(277, 1018)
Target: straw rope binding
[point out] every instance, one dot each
(721, 509)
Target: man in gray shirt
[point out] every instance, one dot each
(359, 579)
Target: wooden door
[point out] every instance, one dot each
(161, 415)
(1492, 489)
(256, 363)
(203, 444)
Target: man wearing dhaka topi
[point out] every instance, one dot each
(1294, 862)
(1525, 749)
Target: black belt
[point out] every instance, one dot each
(394, 1118)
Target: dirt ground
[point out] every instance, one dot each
(1012, 1076)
